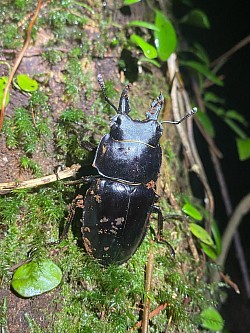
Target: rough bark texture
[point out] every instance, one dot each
(72, 43)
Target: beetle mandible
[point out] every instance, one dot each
(118, 203)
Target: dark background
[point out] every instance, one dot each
(229, 25)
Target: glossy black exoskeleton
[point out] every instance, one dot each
(118, 203)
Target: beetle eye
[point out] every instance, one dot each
(115, 122)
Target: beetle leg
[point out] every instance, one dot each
(76, 203)
(83, 180)
(156, 209)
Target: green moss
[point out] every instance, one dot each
(52, 56)
(31, 220)
(11, 37)
(28, 129)
(28, 163)
(13, 12)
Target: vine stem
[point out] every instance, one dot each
(18, 61)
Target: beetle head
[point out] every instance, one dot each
(124, 128)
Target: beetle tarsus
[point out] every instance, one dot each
(159, 236)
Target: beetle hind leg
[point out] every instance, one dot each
(159, 236)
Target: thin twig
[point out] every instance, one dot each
(224, 57)
(11, 186)
(242, 209)
(152, 314)
(230, 283)
(17, 62)
(146, 309)
(235, 234)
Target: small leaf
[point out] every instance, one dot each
(192, 211)
(243, 146)
(3, 82)
(202, 69)
(209, 251)
(235, 127)
(197, 18)
(130, 2)
(201, 53)
(143, 24)
(217, 237)
(151, 61)
(148, 50)
(211, 97)
(26, 83)
(233, 114)
(165, 37)
(201, 234)
(211, 319)
(220, 112)
(35, 278)
(206, 123)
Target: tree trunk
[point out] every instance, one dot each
(61, 123)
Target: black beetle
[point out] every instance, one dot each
(118, 203)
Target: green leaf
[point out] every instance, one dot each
(210, 251)
(192, 211)
(143, 24)
(201, 234)
(151, 61)
(217, 237)
(206, 123)
(165, 37)
(220, 112)
(202, 69)
(197, 18)
(3, 82)
(130, 2)
(211, 319)
(211, 97)
(235, 127)
(243, 146)
(26, 83)
(35, 278)
(233, 114)
(201, 53)
(148, 50)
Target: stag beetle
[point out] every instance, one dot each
(119, 201)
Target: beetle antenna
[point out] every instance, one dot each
(102, 85)
(194, 110)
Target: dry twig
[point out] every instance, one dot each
(11, 186)
(18, 61)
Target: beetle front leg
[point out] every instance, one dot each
(156, 209)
